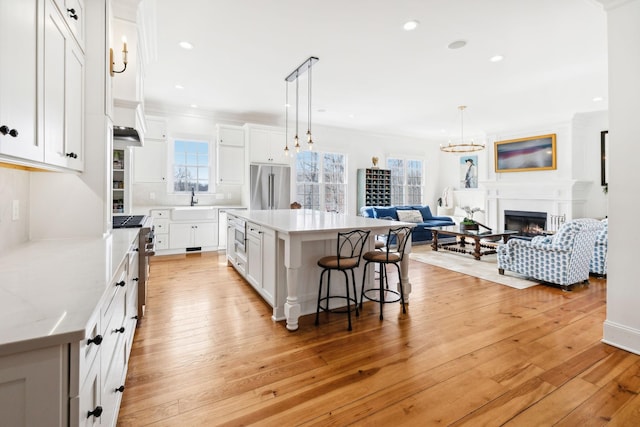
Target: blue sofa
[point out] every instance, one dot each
(419, 234)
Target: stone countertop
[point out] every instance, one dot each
(144, 210)
(49, 289)
(306, 220)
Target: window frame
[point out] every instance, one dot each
(171, 163)
(321, 184)
(405, 178)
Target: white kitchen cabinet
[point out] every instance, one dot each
(73, 13)
(222, 229)
(230, 168)
(188, 235)
(161, 228)
(63, 94)
(156, 128)
(150, 162)
(254, 255)
(20, 37)
(31, 393)
(269, 251)
(266, 144)
(261, 260)
(231, 244)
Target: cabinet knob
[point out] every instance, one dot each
(72, 155)
(135, 279)
(4, 129)
(120, 389)
(96, 412)
(121, 283)
(97, 340)
(119, 330)
(72, 14)
(135, 317)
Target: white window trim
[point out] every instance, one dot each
(170, 163)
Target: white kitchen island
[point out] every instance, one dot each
(302, 237)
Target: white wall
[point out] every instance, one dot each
(622, 327)
(14, 185)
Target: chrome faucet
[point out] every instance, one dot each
(194, 201)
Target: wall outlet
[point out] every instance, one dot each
(15, 210)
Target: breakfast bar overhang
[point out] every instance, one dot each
(302, 237)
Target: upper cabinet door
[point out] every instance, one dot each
(19, 41)
(63, 94)
(230, 158)
(266, 144)
(73, 13)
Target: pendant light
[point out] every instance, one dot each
(286, 119)
(461, 147)
(309, 139)
(295, 75)
(297, 142)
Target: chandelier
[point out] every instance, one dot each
(294, 75)
(461, 147)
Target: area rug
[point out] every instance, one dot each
(486, 268)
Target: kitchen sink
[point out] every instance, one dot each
(194, 212)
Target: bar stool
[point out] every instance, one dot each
(348, 254)
(392, 253)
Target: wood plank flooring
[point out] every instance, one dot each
(467, 353)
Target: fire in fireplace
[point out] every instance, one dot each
(528, 223)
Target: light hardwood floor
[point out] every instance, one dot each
(468, 352)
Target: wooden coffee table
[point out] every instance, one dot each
(477, 248)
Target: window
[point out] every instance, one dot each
(320, 181)
(406, 181)
(191, 166)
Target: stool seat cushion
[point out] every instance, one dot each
(331, 262)
(377, 256)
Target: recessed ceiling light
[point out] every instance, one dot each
(186, 45)
(457, 44)
(179, 87)
(352, 116)
(410, 25)
(194, 105)
(598, 99)
(496, 58)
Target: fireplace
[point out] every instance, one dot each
(528, 223)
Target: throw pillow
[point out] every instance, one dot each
(380, 212)
(410, 216)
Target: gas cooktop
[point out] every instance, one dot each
(128, 221)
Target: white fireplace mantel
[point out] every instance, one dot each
(557, 197)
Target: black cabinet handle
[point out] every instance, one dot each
(120, 330)
(72, 155)
(97, 340)
(135, 317)
(96, 412)
(120, 389)
(135, 279)
(72, 14)
(122, 283)
(4, 129)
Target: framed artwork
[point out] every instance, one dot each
(604, 157)
(535, 153)
(469, 172)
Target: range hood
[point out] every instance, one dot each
(128, 123)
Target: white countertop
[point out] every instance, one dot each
(306, 220)
(50, 288)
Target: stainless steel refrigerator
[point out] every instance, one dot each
(270, 186)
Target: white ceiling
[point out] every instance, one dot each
(374, 76)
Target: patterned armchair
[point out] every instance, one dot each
(562, 259)
(598, 264)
